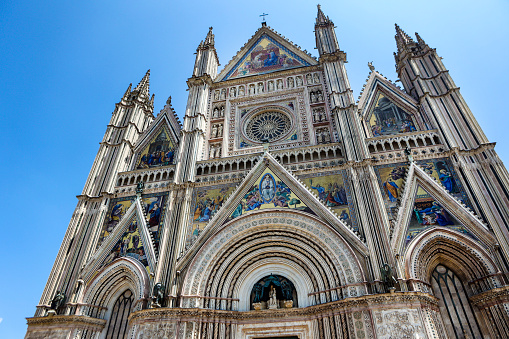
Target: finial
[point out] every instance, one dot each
(263, 15)
(371, 67)
(168, 102)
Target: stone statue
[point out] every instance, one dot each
(241, 90)
(251, 89)
(387, 277)
(257, 288)
(299, 81)
(216, 113)
(280, 84)
(58, 301)
(309, 79)
(272, 298)
(290, 83)
(214, 131)
(223, 94)
(326, 136)
(371, 67)
(218, 152)
(216, 95)
(315, 116)
(233, 92)
(212, 152)
(260, 87)
(271, 86)
(318, 135)
(313, 97)
(316, 78)
(222, 111)
(220, 130)
(158, 295)
(320, 96)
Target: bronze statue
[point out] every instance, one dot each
(139, 187)
(258, 293)
(57, 301)
(387, 277)
(158, 295)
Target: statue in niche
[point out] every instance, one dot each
(318, 136)
(223, 94)
(214, 131)
(309, 79)
(257, 289)
(251, 89)
(315, 116)
(280, 84)
(158, 295)
(299, 81)
(212, 152)
(271, 86)
(272, 298)
(241, 91)
(287, 290)
(321, 112)
(56, 303)
(216, 95)
(218, 152)
(320, 96)
(233, 92)
(290, 83)
(216, 113)
(220, 130)
(326, 135)
(222, 111)
(316, 78)
(313, 97)
(260, 87)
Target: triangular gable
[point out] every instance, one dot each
(163, 135)
(295, 195)
(269, 191)
(159, 151)
(265, 52)
(426, 195)
(131, 238)
(386, 109)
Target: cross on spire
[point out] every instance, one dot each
(263, 15)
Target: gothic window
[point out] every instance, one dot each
(457, 314)
(117, 327)
(268, 126)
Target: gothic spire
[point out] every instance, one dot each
(209, 39)
(402, 39)
(128, 91)
(321, 19)
(420, 41)
(143, 86)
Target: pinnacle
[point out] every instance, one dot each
(144, 83)
(402, 35)
(320, 17)
(209, 39)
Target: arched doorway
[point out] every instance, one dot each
(457, 314)
(117, 324)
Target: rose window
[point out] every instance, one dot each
(268, 126)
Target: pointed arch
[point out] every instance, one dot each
(472, 263)
(111, 281)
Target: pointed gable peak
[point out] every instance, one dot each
(321, 19)
(267, 51)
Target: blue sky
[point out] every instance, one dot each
(64, 64)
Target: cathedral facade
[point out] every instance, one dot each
(283, 208)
